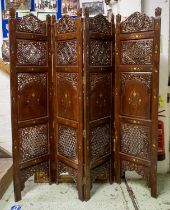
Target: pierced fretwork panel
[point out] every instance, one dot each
(100, 95)
(33, 141)
(136, 94)
(137, 22)
(100, 24)
(130, 166)
(30, 171)
(32, 95)
(100, 53)
(63, 169)
(67, 102)
(135, 140)
(101, 169)
(33, 53)
(137, 52)
(66, 53)
(100, 141)
(67, 141)
(66, 25)
(31, 24)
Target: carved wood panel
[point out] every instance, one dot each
(136, 95)
(99, 74)
(31, 81)
(68, 107)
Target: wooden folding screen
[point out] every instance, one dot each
(64, 98)
(31, 96)
(98, 98)
(136, 95)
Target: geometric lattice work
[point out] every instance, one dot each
(67, 143)
(31, 53)
(100, 53)
(135, 140)
(66, 52)
(99, 141)
(137, 52)
(33, 141)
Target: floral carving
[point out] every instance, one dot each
(66, 25)
(137, 52)
(70, 78)
(145, 78)
(140, 169)
(100, 24)
(137, 22)
(25, 79)
(100, 53)
(64, 169)
(66, 52)
(30, 24)
(104, 168)
(31, 53)
(28, 172)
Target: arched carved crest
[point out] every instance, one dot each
(66, 25)
(137, 22)
(100, 24)
(31, 24)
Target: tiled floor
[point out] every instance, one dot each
(104, 196)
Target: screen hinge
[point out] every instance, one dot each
(84, 134)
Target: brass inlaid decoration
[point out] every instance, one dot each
(134, 99)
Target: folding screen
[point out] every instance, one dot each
(98, 98)
(136, 95)
(31, 96)
(65, 96)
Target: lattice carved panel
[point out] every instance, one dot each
(100, 95)
(66, 52)
(32, 95)
(30, 24)
(135, 140)
(32, 53)
(66, 25)
(101, 169)
(135, 94)
(100, 141)
(100, 24)
(137, 22)
(67, 87)
(30, 171)
(33, 141)
(67, 143)
(144, 78)
(67, 170)
(137, 52)
(100, 53)
(130, 166)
